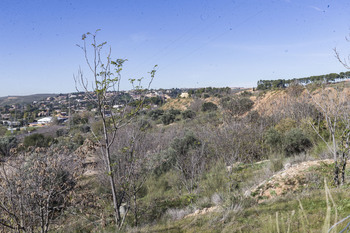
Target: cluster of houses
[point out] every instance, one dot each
(16, 125)
(58, 108)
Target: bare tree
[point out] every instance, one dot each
(133, 154)
(102, 92)
(334, 105)
(344, 61)
(34, 189)
(191, 167)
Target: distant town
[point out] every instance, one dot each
(27, 114)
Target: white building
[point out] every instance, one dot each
(45, 120)
(184, 95)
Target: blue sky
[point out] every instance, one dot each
(195, 43)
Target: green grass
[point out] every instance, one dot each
(304, 211)
(262, 217)
(308, 210)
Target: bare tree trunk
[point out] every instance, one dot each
(344, 161)
(111, 176)
(135, 209)
(42, 218)
(336, 173)
(343, 172)
(336, 156)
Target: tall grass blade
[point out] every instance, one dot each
(334, 206)
(304, 221)
(277, 225)
(327, 220)
(290, 220)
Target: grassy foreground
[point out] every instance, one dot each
(315, 208)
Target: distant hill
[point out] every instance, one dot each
(23, 99)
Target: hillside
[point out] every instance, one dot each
(9, 100)
(216, 161)
(283, 193)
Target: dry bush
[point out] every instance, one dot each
(196, 105)
(34, 189)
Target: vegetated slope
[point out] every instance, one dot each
(295, 199)
(306, 205)
(235, 195)
(8, 100)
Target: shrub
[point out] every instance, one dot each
(36, 191)
(6, 144)
(206, 95)
(237, 106)
(209, 106)
(276, 162)
(296, 142)
(179, 148)
(188, 114)
(3, 130)
(78, 140)
(215, 180)
(253, 116)
(37, 140)
(196, 105)
(246, 93)
(174, 112)
(285, 125)
(144, 124)
(273, 138)
(97, 127)
(85, 128)
(168, 118)
(61, 132)
(155, 114)
(79, 119)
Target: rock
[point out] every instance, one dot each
(287, 165)
(247, 193)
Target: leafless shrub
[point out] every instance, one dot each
(237, 141)
(132, 159)
(196, 105)
(34, 189)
